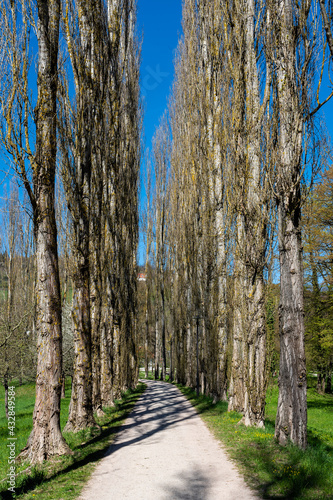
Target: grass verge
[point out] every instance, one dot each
(142, 374)
(62, 478)
(276, 472)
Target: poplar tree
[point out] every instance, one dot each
(79, 160)
(45, 439)
(161, 147)
(293, 82)
(247, 389)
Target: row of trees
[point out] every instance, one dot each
(83, 124)
(228, 166)
(317, 223)
(230, 160)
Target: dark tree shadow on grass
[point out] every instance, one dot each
(39, 475)
(291, 476)
(170, 416)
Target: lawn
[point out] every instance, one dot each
(277, 472)
(62, 478)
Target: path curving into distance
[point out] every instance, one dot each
(164, 451)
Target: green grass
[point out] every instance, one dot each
(62, 478)
(142, 374)
(277, 472)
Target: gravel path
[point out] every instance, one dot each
(164, 451)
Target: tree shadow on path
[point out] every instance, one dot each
(194, 485)
(154, 406)
(157, 409)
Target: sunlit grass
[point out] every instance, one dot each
(142, 374)
(277, 472)
(61, 478)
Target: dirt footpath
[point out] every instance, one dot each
(164, 451)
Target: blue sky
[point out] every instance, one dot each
(159, 21)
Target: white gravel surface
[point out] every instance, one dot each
(165, 451)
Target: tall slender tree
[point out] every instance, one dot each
(294, 42)
(45, 439)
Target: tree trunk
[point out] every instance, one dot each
(222, 334)
(117, 376)
(189, 343)
(255, 241)
(81, 405)
(321, 382)
(5, 384)
(46, 439)
(96, 310)
(171, 377)
(106, 360)
(63, 392)
(237, 387)
(147, 329)
(81, 408)
(329, 379)
(249, 325)
(291, 418)
(106, 348)
(163, 373)
(157, 341)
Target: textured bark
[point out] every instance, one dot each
(237, 386)
(157, 343)
(46, 439)
(221, 263)
(5, 384)
(249, 355)
(255, 240)
(190, 377)
(147, 333)
(218, 186)
(291, 419)
(117, 375)
(96, 325)
(96, 222)
(163, 339)
(126, 226)
(107, 356)
(147, 290)
(327, 26)
(171, 376)
(81, 405)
